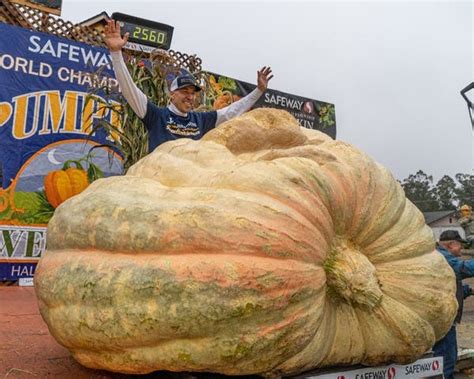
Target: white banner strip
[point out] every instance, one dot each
(422, 368)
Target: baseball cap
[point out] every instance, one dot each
(182, 81)
(451, 235)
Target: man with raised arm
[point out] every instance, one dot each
(177, 120)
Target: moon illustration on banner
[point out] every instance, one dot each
(52, 158)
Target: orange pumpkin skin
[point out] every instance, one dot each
(62, 184)
(264, 248)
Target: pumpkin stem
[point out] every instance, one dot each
(351, 276)
(70, 162)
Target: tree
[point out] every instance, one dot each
(465, 191)
(446, 193)
(419, 190)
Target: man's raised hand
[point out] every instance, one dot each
(263, 77)
(113, 39)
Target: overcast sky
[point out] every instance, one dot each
(393, 69)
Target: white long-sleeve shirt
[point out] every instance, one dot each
(138, 100)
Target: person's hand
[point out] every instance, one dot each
(113, 39)
(263, 77)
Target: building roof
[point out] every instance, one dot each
(95, 19)
(431, 217)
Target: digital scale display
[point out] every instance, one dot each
(145, 32)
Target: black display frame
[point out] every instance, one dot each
(130, 23)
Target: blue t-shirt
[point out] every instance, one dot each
(164, 125)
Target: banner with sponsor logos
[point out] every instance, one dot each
(47, 151)
(311, 114)
(422, 368)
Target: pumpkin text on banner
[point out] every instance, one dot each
(47, 151)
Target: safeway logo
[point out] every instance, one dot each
(308, 107)
(391, 373)
(435, 365)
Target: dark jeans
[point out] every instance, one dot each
(447, 347)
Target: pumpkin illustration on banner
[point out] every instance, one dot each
(221, 93)
(263, 248)
(52, 175)
(62, 184)
(225, 100)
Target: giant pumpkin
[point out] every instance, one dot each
(263, 248)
